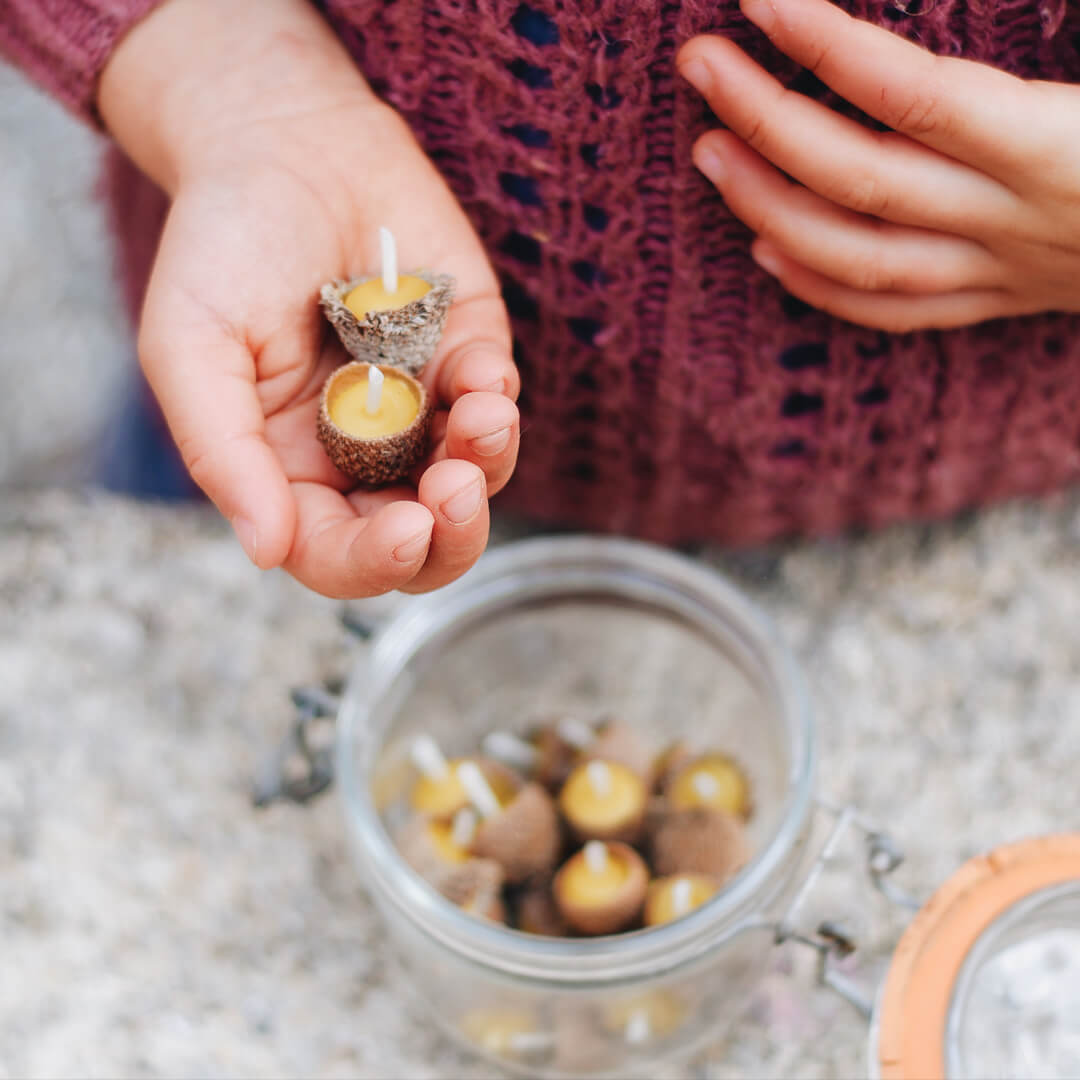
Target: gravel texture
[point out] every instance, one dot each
(155, 924)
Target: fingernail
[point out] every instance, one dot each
(412, 549)
(245, 533)
(709, 160)
(696, 72)
(767, 258)
(761, 13)
(491, 444)
(464, 506)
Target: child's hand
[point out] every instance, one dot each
(282, 165)
(969, 209)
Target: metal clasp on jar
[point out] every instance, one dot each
(831, 940)
(301, 766)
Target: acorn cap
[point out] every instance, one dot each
(618, 817)
(404, 337)
(713, 780)
(698, 841)
(433, 858)
(537, 913)
(670, 762)
(524, 837)
(555, 757)
(488, 905)
(626, 745)
(476, 887)
(442, 798)
(380, 460)
(612, 913)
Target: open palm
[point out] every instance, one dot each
(237, 351)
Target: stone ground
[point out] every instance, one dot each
(154, 924)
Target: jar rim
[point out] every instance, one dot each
(1033, 913)
(561, 564)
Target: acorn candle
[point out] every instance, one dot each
(713, 781)
(440, 793)
(604, 800)
(600, 890)
(673, 897)
(390, 318)
(619, 742)
(374, 422)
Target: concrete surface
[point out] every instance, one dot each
(155, 924)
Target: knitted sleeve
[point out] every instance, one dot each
(63, 45)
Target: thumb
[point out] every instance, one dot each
(204, 380)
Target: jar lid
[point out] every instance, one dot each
(1022, 898)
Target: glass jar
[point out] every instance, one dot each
(586, 627)
(986, 979)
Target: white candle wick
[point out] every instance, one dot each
(463, 828)
(638, 1027)
(511, 749)
(574, 732)
(374, 390)
(478, 789)
(681, 893)
(428, 758)
(596, 856)
(599, 778)
(389, 261)
(705, 785)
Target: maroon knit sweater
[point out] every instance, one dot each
(671, 389)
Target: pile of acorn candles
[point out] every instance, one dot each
(576, 830)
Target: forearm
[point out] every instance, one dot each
(193, 69)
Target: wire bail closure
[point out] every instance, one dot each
(832, 941)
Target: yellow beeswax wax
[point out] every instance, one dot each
(672, 897)
(371, 296)
(442, 840)
(397, 408)
(584, 885)
(588, 807)
(443, 796)
(712, 781)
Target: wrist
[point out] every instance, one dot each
(193, 71)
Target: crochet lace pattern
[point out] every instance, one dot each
(671, 389)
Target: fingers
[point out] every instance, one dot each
(483, 429)
(343, 555)
(883, 175)
(475, 352)
(205, 383)
(955, 106)
(454, 493)
(852, 249)
(475, 375)
(896, 313)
